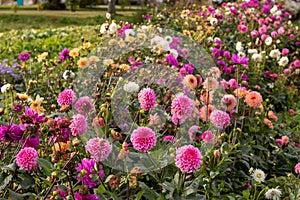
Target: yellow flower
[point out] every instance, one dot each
(74, 52)
(86, 45)
(124, 67)
(42, 56)
(36, 104)
(83, 63)
(22, 97)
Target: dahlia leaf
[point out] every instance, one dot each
(45, 165)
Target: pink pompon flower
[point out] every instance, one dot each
(143, 139)
(84, 105)
(66, 97)
(98, 148)
(292, 112)
(182, 108)
(78, 125)
(147, 98)
(297, 168)
(207, 137)
(194, 132)
(188, 158)
(242, 28)
(169, 138)
(26, 159)
(220, 119)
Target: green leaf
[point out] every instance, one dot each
(17, 196)
(139, 195)
(46, 166)
(246, 194)
(10, 167)
(149, 193)
(27, 183)
(101, 189)
(5, 182)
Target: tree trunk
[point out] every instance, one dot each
(111, 6)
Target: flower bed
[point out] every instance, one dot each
(194, 103)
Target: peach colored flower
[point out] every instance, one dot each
(190, 81)
(268, 123)
(272, 116)
(207, 97)
(229, 102)
(253, 99)
(205, 112)
(83, 63)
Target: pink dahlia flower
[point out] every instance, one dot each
(182, 108)
(78, 125)
(147, 98)
(98, 148)
(297, 168)
(143, 139)
(194, 132)
(207, 137)
(220, 119)
(66, 97)
(84, 105)
(26, 159)
(188, 158)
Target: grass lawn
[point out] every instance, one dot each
(25, 19)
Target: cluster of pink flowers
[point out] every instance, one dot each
(143, 139)
(182, 109)
(297, 168)
(283, 141)
(188, 158)
(26, 159)
(78, 125)
(66, 97)
(220, 119)
(98, 148)
(147, 98)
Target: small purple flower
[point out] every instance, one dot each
(24, 56)
(243, 60)
(64, 55)
(85, 169)
(14, 133)
(172, 60)
(79, 196)
(17, 107)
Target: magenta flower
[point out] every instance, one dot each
(242, 28)
(220, 119)
(66, 97)
(147, 98)
(78, 125)
(297, 168)
(26, 159)
(14, 133)
(143, 139)
(207, 137)
(3, 132)
(86, 168)
(169, 138)
(98, 148)
(64, 55)
(172, 60)
(182, 108)
(84, 105)
(24, 56)
(188, 158)
(79, 196)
